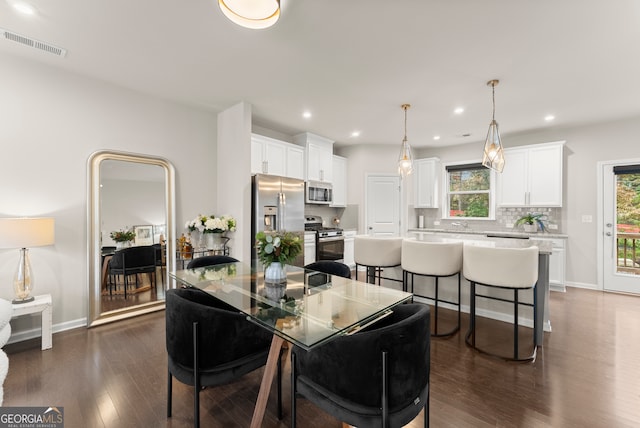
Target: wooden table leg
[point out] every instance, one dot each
(267, 379)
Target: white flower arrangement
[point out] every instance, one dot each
(211, 224)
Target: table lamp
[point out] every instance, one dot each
(23, 233)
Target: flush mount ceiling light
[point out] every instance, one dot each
(254, 14)
(405, 160)
(493, 156)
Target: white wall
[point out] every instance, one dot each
(51, 122)
(585, 146)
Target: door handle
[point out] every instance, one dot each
(608, 234)
(609, 225)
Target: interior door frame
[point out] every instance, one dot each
(600, 174)
(401, 207)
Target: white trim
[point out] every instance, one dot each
(33, 333)
(445, 192)
(600, 215)
(584, 285)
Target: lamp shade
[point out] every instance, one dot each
(26, 232)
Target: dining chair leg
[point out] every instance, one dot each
(169, 392)
(293, 390)
(196, 378)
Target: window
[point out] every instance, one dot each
(469, 191)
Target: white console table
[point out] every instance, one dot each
(43, 305)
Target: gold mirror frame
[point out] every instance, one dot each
(94, 219)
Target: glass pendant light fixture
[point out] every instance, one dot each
(405, 160)
(493, 156)
(254, 14)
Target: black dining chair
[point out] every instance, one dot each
(132, 261)
(210, 261)
(376, 377)
(326, 268)
(161, 259)
(209, 343)
(330, 267)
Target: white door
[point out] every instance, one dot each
(621, 227)
(383, 205)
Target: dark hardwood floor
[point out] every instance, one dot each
(586, 375)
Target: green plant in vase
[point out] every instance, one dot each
(532, 222)
(274, 250)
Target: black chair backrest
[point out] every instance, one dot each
(344, 366)
(226, 335)
(210, 261)
(330, 267)
(134, 257)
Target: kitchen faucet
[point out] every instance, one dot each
(462, 224)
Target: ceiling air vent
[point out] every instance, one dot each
(33, 43)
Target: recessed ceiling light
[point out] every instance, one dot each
(306, 114)
(436, 137)
(549, 117)
(355, 134)
(22, 7)
(459, 110)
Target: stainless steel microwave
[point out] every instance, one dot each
(319, 192)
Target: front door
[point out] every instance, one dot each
(383, 205)
(621, 226)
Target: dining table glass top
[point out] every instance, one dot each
(311, 308)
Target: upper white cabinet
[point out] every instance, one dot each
(295, 161)
(426, 182)
(270, 156)
(339, 182)
(319, 156)
(532, 176)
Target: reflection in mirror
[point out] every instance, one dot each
(129, 193)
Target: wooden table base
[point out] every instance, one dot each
(267, 379)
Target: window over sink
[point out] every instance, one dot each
(469, 191)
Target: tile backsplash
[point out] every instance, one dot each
(505, 218)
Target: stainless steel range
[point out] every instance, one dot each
(329, 240)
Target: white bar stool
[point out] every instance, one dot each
(376, 253)
(437, 260)
(505, 268)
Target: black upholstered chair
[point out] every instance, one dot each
(210, 261)
(210, 343)
(330, 267)
(161, 259)
(376, 377)
(132, 261)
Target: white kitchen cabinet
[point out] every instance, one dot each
(557, 264)
(426, 183)
(295, 161)
(532, 176)
(339, 182)
(309, 247)
(319, 154)
(270, 156)
(349, 248)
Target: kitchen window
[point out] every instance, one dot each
(469, 192)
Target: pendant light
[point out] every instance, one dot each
(405, 160)
(493, 156)
(254, 14)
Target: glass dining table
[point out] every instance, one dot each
(308, 310)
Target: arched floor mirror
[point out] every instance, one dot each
(128, 191)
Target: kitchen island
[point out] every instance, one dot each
(491, 309)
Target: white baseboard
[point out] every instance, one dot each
(499, 316)
(19, 336)
(583, 285)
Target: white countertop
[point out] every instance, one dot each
(545, 247)
(492, 232)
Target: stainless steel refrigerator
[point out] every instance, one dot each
(277, 204)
